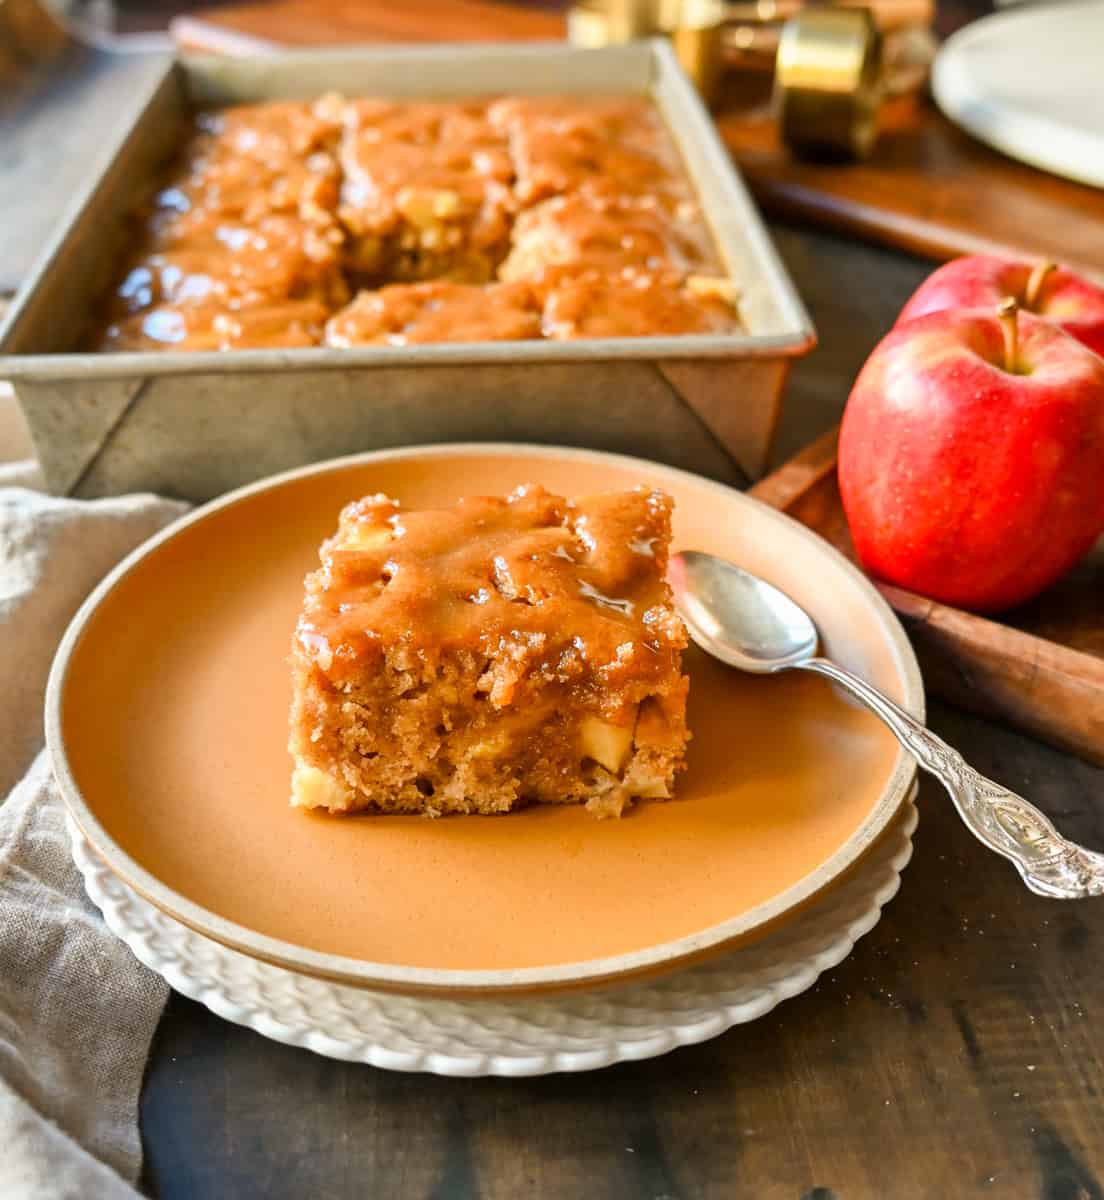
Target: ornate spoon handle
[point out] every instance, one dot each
(1007, 823)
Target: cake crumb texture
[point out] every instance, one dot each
(503, 652)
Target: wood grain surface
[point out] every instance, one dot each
(929, 188)
(957, 1054)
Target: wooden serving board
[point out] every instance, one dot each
(1040, 667)
(929, 188)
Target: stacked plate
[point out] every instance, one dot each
(576, 1031)
(542, 941)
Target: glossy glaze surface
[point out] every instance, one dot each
(437, 311)
(275, 217)
(575, 586)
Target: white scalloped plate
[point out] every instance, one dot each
(570, 1031)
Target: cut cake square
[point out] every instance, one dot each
(581, 303)
(503, 652)
(426, 192)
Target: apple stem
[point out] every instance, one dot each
(1008, 314)
(1035, 284)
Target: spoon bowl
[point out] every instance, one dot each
(737, 617)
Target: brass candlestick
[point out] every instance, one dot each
(827, 82)
(832, 64)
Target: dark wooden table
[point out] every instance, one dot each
(956, 1053)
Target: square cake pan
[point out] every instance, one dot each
(197, 424)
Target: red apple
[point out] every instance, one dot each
(971, 459)
(983, 281)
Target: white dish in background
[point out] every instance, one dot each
(1030, 83)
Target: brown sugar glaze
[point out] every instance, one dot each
(440, 311)
(274, 215)
(252, 160)
(603, 234)
(571, 593)
(240, 248)
(609, 146)
(577, 304)
(398, 154)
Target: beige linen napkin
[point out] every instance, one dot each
(77, 1010)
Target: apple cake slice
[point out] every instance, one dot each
(503, 652)
(426, 191)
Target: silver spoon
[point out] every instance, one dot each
(748, 623)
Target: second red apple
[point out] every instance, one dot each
(983, 281)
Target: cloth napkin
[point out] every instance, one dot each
(77, 1010)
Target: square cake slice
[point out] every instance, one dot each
(503, 652)
(426, 191)
(599, 145)
(578, 303)
(602, 234)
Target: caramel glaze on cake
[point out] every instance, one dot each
(495, 654)
(254, 159)
(241, 247)
(358, 221)
(406, 314)
(597, 304)
(598, 146)
(427, 191)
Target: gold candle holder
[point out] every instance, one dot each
(833, 64)
(827, 82)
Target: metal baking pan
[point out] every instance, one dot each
(196, 424)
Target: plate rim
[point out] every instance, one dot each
(397, 977)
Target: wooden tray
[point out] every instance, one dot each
(928, 188)
(1040, 667)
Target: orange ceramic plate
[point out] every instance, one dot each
(167, 720)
